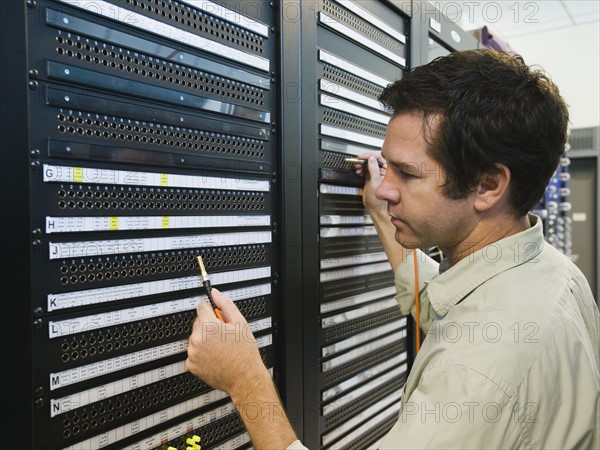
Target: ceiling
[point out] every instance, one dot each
(511, 18)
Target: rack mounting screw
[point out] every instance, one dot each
(37, 312)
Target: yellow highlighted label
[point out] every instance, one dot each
(165, 222)
(164, 179)
(114, 223)
(78, 174)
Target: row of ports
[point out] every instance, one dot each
(117, 414)
(142, 66)
(123, 343)
(339, 76)
(126, 332)
(354, 123)
(167, 132)
(217, 29)
(80, 204)
(154, 270)
(255, 310)
(157, 141)
(127, 56)
(159, 196)
(147, 398)
(256, 255)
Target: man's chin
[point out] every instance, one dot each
(406, 242)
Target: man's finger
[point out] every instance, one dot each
(230, 312)
(374, 169)
(205, 312)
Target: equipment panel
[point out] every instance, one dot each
(151, 141)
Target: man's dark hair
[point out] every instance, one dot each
(489, 108)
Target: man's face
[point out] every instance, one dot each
(422, 215)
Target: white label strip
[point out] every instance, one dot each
(344, 147)
(357, 313)
(352, 424)
(264, 341)
(364, 389)
(342, 190)
(354, 271)
(114, 293)
(351, 108)
(78, 374)
(234, 442)
(120, 317)
(81, 249)
(68, 174)
(363, 376)
(345, 220)
(362, 351)
(360, 338)
(365, 258)
(260, 325)
(360, 39)
(341, 133)
(355, 300)
(372, 19)
(147, 24)
(230, 15)
(124, 223)
(333, 232)
(353, 69)
(107, 390)
(130, 429)
(341, 91)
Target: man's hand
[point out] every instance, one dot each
(223, 354)
(373, 175)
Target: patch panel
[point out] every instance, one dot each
(150, 132)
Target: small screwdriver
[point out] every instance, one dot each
(208, 286)
(362, 161)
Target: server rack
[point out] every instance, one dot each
(139, 135)
(355, 352)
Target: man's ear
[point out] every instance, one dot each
(492, 188)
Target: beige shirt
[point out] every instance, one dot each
(511, 358)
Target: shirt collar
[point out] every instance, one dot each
(455, 282)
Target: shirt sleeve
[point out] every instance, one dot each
(455, 407)
(296, 445)
(404, 278)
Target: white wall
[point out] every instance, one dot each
(571, 57)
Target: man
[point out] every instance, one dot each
(512, 353)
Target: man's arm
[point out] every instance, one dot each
(226, 357)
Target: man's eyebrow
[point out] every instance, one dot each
(410, 167)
